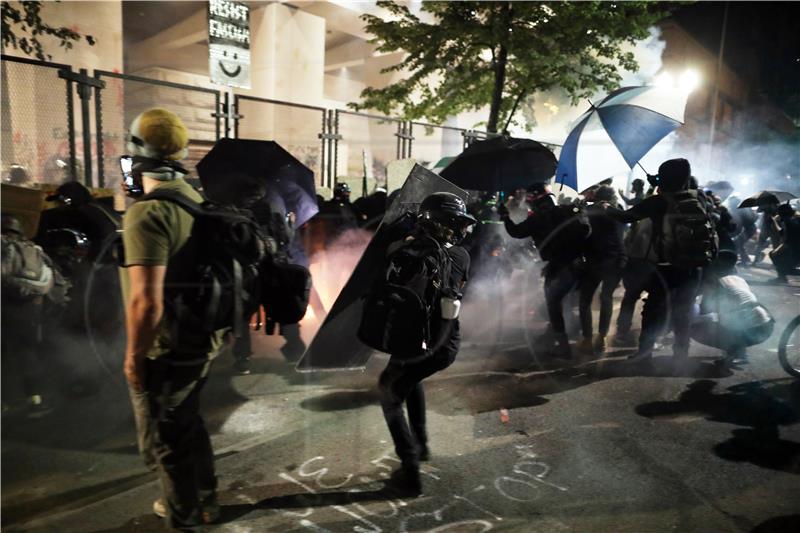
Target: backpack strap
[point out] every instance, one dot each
(193, 208)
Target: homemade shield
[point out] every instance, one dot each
(335, 346)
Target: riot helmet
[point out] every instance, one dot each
(443, 216)
(341, 192)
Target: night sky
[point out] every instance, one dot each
(762, 44)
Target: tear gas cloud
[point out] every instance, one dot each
(330, 268)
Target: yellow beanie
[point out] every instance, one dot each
(159, 134)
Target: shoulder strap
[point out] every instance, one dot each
(189, 205)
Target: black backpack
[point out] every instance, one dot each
(27, 272)
(285, 290)
(398, 311)
(688, 236)
(561, 236)
(218, 287)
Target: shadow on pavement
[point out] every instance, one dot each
(72, 499)
(760, 406)
(779, 524)
(514, 381)
(231, 513)
(341, 400)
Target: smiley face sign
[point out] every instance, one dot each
(229, 43)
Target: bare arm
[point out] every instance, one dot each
(143, 315)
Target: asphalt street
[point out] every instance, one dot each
(519, 442)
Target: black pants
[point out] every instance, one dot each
(608, 274)
(559, 280)
(670, 294)
(635, 277)
(402, 383)
(173, 439)
(21, 349)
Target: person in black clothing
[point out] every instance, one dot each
(745, 220)
(338, 213)
(768, 230)
(563, 255)
(605, 260)
(371, 209)
(269, 211)
(786, 257)
(672, 287)
(637, 188)
(444, 217)
(78, 210)
(80, 234)
(725, 225)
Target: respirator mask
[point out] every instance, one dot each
(134, 167)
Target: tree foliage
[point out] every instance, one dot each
(23, 28)
(497, 53)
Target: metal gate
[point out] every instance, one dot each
(42, 141)
(302, 130)
(367, 143)
(38, 122)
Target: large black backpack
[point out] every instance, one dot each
(688, 237)
(218, 286)
(398, 310)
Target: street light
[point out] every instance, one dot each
(687, 82)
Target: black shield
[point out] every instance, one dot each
(335, 346)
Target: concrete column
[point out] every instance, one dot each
(288, 56)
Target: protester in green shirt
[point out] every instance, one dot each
(166, 367)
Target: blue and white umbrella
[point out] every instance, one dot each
(615, 134)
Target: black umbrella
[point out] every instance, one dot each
(501, 164)
(237, 170)
(767, 198)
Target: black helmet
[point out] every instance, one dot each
(341, 190)
(71, 193)
(444, 217)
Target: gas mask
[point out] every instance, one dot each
(134, 167)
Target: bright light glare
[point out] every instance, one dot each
(745, 180)
(664, 80)
(689, 81)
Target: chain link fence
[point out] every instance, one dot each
(367, 144)
(38, 132)
(43, 121)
